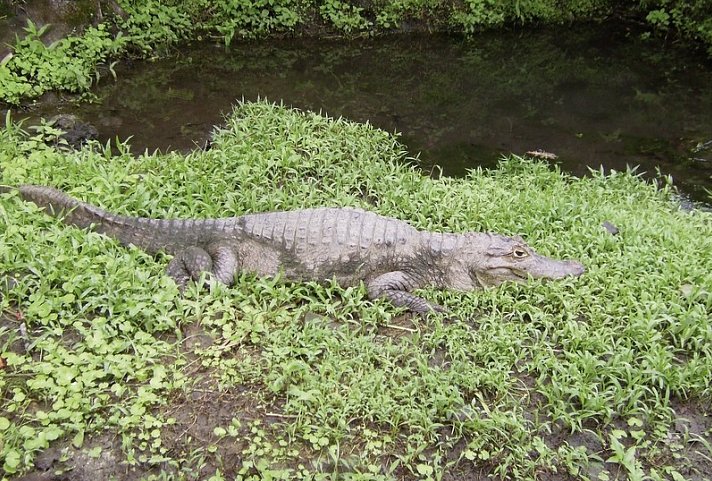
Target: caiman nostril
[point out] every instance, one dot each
(576, 268)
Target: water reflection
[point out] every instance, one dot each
(591, 96)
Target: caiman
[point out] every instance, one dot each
(348, 245)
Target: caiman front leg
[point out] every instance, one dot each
(394, 287)
(188, 264)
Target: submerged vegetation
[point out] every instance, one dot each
(104, 366)
(73, 63)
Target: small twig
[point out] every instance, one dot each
(285, 416)
(24, 336)
(401, 328)
(206, 391)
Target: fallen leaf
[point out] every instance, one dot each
(540, 154)
(686, 290)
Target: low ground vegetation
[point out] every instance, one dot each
(149, 27)
(105, 368)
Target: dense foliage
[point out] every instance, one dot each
(106, 368)
(691, 18)
(73, 63)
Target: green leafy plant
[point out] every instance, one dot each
(344, 16)
(69, 64)
(310, 381)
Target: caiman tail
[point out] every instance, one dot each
(151, 235)
(58, 204)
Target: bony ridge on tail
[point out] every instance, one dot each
(349, 245)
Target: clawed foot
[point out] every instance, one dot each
(205, 282)
(435, 309)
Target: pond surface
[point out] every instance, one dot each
(591, 95)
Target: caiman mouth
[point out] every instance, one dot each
(497, 275)
(523, 275)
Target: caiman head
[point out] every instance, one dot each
(500, 258)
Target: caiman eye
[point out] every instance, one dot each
(519, 253)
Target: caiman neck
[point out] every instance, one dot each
(447, 258)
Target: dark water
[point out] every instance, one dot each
(590, 95)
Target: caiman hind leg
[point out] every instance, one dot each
(395, 286)
(189, 264)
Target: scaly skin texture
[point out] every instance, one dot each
(349, 245)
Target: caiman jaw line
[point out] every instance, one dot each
(520, 274)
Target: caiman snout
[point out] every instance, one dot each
(543, 267)
(574, 268)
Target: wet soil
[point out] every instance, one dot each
(198, 412)
(199, 408)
